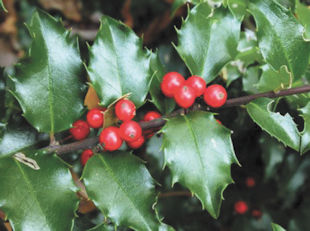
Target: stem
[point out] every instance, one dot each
(175, 193)
(90, 142)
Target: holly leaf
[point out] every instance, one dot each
(162, 103)
(250, 79)
(14, 139)
(208, 40)
(303, 16)
(201, 162)
(280, 37)
(283, 128)
(276, 227)
(305, 134)
(122, 188)
(2, 6)
(238, 8)
(272, 80)
(118, 65)
(41, 199)
(47, 84)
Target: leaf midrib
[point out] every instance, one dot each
(31, 189)
(199, 154)
(116, 58)
(111, 173)
(280, 42)
(50, 80)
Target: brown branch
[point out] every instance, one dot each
(91, 142)
(175, 193)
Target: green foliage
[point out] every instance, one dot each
(42, 199)
(41, 81)
(305, 138)
(208, 40)
(118, 65)
(303, 15)
(276, 227)
(2, 6)
(280, 37)
(281, 127)
(272, 80)
(14, 139)
(269, 52)
(201, 162)
(122, 188)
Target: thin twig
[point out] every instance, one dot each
(91, 142)
(175, 193)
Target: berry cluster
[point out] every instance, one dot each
(111, 138)
(185, 92)
(80, 129)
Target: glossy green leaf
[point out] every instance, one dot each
(37, 200)
(305, 135)
(2, 6)
(272, 80)
(48, 83)
(238, 7)
(289, 4)
(163, 104)
(276, 227)
(208, 40)
(118, 64)
(230, 73)
(283, 128)
(303, 16)
(250, 79)
(248, 51)
(199, 152)
(280, 36)
(14, 139)
(122, 188)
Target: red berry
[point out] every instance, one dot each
(241, 207)
(95, 118)
(88, 153)
(197, 83)
(125, 110)
(151, 115)
(110, 138)
(219, 122)
(185, 96)
(136, 144)
(171, 82)
(79, 130)
(130, 131)
(215, 95)
(250, 182)
(257, 213)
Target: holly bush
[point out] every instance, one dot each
(246, 171)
